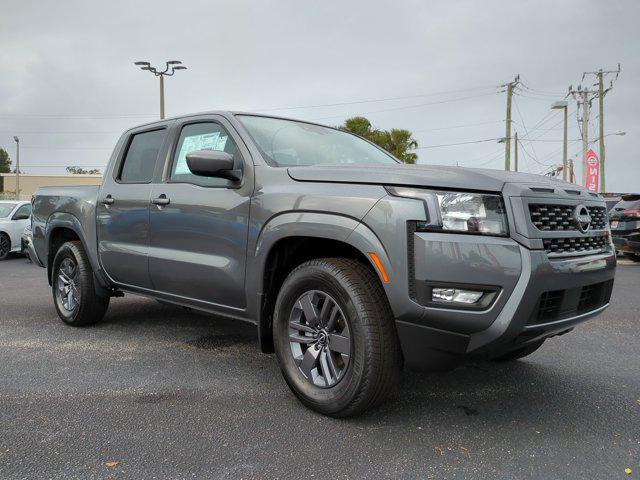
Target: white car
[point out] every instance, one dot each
(15, 216)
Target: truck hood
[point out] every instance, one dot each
(434, 176)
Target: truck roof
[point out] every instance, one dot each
(224, 113)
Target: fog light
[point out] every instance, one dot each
(454, 295)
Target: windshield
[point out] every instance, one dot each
(6, 209)
(287, 143)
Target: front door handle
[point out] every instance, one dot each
(161, 201)
(108, 200)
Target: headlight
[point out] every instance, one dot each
(478, 213)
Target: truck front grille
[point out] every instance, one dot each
(549, 217)
(575, 244)
(560, 304)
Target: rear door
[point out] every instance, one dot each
(199, 225)
(122, 211)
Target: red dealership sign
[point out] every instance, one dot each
(593, 169)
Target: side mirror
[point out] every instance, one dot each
(212, 163)
(22, 216)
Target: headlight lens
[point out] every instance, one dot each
(477, 213)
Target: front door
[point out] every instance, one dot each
(199, 225)
(122, 211)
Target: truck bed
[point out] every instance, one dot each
(74, 206)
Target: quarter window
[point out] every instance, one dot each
(142, 154)
(200, 136)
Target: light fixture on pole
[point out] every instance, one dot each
(17, 167)
(170, 67)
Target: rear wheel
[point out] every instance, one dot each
(74, 294)
(5, 246)
(519, 353)
(335, 337)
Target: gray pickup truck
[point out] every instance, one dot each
(349, 263)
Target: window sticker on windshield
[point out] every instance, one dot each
(207, 141)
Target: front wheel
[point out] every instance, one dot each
(634, 257)
(335, 337)
(5, 246)
(74, 294)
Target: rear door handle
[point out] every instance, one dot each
(108, 200)
(161, 201)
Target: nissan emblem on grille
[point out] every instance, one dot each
(581, 218)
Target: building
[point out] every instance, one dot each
(29, 183)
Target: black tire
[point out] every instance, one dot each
(632, 256)
(5, 246)
(87, 307)
(374, 359)
(519, 353)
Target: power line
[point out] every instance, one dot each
(65, 148)
(37, 116)
(411, 106)
(456, 126)
(459, 143)
(59, 133)
(375, 100)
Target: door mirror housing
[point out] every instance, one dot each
(22, 216)
(213, 163)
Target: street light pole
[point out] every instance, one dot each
(17, 167)
(170, 67)
(564, 105)
(161, 96)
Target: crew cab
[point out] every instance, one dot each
(349, 263)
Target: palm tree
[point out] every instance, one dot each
(398, 142)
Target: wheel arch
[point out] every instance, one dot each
(288, 240)
(65, 227)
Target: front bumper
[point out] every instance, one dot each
(538, 297)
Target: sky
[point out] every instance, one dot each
(68, 86)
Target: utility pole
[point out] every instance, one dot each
(600, 74)
(516, 148)
(582, 97)
(17, 167)
(564, 145)
(172, 65)
(585, 132)
(507, 138)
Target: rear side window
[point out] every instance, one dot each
(627, 205)
(24, 210)
(142, 154)
(200, 136)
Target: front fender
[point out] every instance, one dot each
(329, 226)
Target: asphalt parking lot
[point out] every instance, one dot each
(159, 392)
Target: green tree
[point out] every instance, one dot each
(398, 142)
(81, 171)
(5, 166)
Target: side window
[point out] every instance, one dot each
(140, 160)
(200, 136)
(23, 211)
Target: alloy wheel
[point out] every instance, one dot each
(320, 338)
(68, 292)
